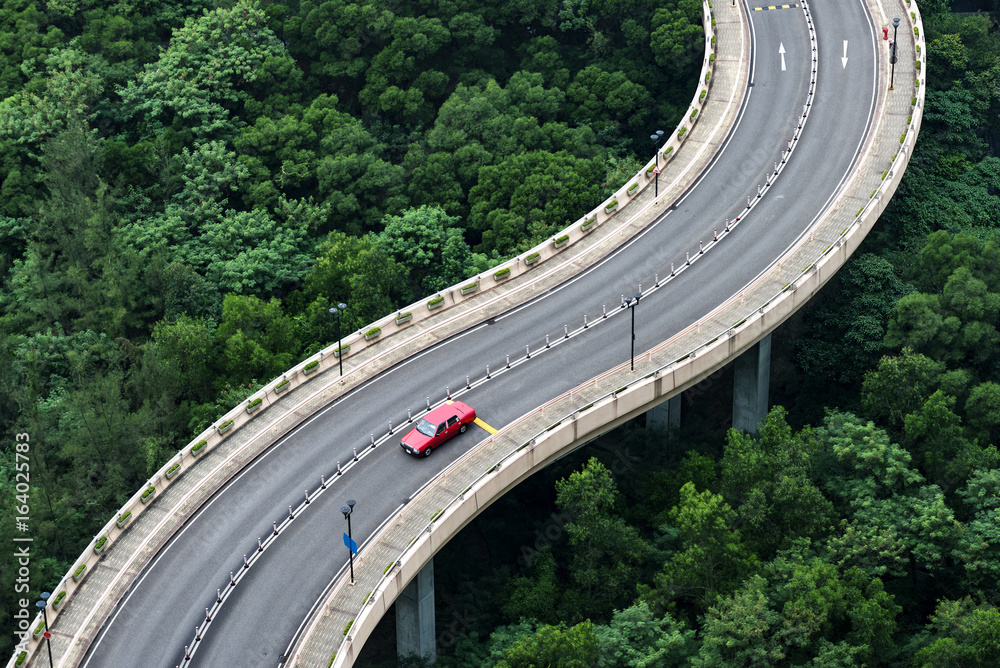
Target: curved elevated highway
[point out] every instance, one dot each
(819, 205)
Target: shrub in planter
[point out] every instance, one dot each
(254, 405)
(649, 170)
(283, 385)
(225, 426)
(342, 350)
(503, 273)
(711, 57)
(701, 96)
(589, 223)
(58, 599)
(559, 242)
(312, 366)
(172, 471)
(682, 132)
(79, 572)
(435, 303)
(21, 658)
(198, 447)
(348, 627)
(632, 188)
(148, 494)
(708, 75)
(99, 545)
(531, 259)
(670, 149)
(471, 287)
(612, 205)
(403, 317)
(124, 519)
(694, 112)
(372, 333)
(38, 629)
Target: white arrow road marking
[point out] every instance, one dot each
(844, 59)
(781, 50)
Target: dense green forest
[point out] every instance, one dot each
(188, 186)
(859, 527)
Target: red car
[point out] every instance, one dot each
(437, 427)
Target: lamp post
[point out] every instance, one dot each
(348, 510)
(631, 303)
(892, 52)
(656, 137)
(336, 312)
(42, 603)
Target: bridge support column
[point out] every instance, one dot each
(666, 415)
(751, 378)
(415, 616)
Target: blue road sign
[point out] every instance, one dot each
(350, 544)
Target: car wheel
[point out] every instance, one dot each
(427, 451)
(463, 428)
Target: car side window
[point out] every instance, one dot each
(452, 420)
(441, 428)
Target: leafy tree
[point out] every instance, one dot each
(846, 328)
(533, 596)
(214, 65)
(899, 385)
(555, 646)
(256, 337)
(960, 634)
(529, 196)
(676, 37)
(607, 551)
(357, 271)
(982, 410)
(767, 480)
(741, 630)
(978, 549)
(711, 557)
(431, 245)
(636, 638)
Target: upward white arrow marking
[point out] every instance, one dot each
(781, 50)
(844, 59)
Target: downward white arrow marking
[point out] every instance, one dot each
(781, 50)
(844, 59)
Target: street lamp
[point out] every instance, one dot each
(631, 303)
(41, 603)
(336, 312)
(656, 137)
(352, 547)
(892, 52)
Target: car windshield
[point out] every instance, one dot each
(426, 428)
